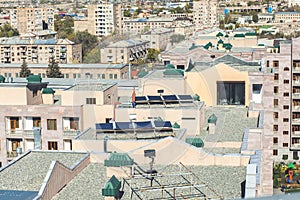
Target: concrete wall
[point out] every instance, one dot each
(204, 83)
(16, 97)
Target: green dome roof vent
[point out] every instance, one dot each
(212, 119)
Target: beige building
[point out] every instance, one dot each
(124, 51)
(17, 49)
(286, 17)
(158, 38)
(29, 19)
(37, 117)
(205, 14)
(103, 20)
(72, 71)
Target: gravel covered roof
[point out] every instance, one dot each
(231, 124)
(28, 173)
(86, 185)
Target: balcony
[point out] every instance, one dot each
(70, 133)
(296, 69)
(295, 146)
(296, 82)
(297, 133)
(15, 132)
(11, 154)
(296, 107)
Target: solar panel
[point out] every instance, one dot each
(143, 125)
(140, 98)
(162, 124)
(104, 126)
(154, 98)
(185, 97)
(124, 126)
(170, 97)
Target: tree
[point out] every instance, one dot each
(25, 71)
(176, 38)
(7, 30)
(87, 40)
(152, 54)
(53, 70)
(93, 56)
(255, 18)
(127, 13)
(64, 27)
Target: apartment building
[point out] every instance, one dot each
(103, 20)
(17, 49)
(29, 19)
(205, 14)
(72, 71)
(14, 3)
(158, 38)
(41, 118)
(124, 51)
(283, 17)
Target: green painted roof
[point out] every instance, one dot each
(239, 35)
(261, 45)
(276, 46)
(227, 46)
(251, 34)
(220, 41)
(219, 34)
(176, 125)
(118, 160)
(265, 26)
(197, 142)
(111, 187)
(34, 79)
(170, 66)
(2, 79)
(226, 36)
(174, 72)
(212, 119)
(142, 74)
(48, 91)
(193, 47)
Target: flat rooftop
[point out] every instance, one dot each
(231, 124)
(29, 171)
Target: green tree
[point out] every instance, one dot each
(127, 13)
(25, 71)
(93, 56)
(53, 70)
(7, 31)
(64, 27)
(255, 18)
(87, 40)
(152, 54)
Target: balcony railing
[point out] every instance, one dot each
(14, 132)
(11, 154)
(296, 107)
(71, 133)
(295, 146)
(296, 133)
(297, 69)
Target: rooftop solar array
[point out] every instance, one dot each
(163, 99)
(134, 126)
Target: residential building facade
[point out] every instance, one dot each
(29, 19)
(158, 38)
(103, 20)
(16, 49)
(205, 14)
(124, 51)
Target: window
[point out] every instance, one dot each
(286, 94)
(275, 102)
(51, 124)
(285, 119)
(74, 75)
(34, 93)
(275, 63)
(276, 77)
(275, 115)
(285, 157)
(109, 51)
(67, 75)
(268, 63)
(90, 100)
(285, 107)
(285, 144)
(52, 145)
(79, 75)
(74, 123)
(275, 152)
(115, 76)
(36, 122)
(103, 76)
(17, 75)
(14, 123)
(275, 140)
(286, 81)
(285, 132)
(275, 89)
(286, 69)
(275, 127)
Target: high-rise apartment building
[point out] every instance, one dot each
(32, 19)
(205, 14)
(103, 20)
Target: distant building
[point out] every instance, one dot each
(158, 38)
(124, 51)
(287, 16)
(205, 13)
(29, 19)
(17, 49)
(103, 20)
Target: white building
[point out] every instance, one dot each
(205, 14)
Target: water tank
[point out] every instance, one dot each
(226, 11)
(270, 9)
